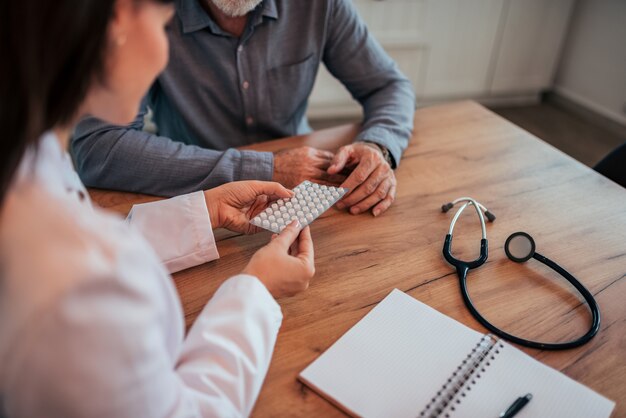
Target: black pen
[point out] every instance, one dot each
(516, 406)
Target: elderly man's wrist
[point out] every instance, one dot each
(383, 150)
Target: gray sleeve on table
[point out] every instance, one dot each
(129, 159)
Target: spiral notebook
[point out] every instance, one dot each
(405, 359)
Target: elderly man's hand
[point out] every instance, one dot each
(372, 182)
(293, 166)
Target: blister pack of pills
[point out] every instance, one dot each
(308, 203)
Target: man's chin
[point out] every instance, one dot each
(236, 8)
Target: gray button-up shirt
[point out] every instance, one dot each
(219, 92)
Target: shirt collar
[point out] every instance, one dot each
(194, 18)
(51, 166)
(269, 9)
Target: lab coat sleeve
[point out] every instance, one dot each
(104, 352)
(228, 350)
(178, 229)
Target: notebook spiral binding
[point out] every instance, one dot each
(468, 371)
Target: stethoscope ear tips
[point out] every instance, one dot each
(519, 247)
(447, 206)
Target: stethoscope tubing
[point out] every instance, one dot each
(463, 267)
(593, 306)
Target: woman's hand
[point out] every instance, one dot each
(232, 205)
(285, 265)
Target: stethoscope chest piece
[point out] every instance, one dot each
(519, 247)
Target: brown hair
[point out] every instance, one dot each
(51, 52)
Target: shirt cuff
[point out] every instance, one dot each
(387, 139)
(179, 230)
(256, 165)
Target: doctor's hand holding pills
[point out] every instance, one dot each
(285, 265)
(232, 205)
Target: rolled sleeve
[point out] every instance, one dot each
(179, 230)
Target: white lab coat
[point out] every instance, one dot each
(90, 321)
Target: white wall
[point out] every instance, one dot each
(493, 51)
(592, 71)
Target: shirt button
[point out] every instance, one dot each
(246, 85)
(240, 48)
(249, 120)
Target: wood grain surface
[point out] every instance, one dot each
(577, 218)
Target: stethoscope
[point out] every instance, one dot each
(519, 247)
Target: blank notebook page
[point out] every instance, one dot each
(392, 361)
(398, 356)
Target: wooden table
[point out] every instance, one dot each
(577, 217)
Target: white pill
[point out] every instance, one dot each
(300, 213)
(285, 216)
(309, 216)
(316, 200)
(335, 194)
(274, 225)
(315, 212)
(263, 215)
(302, 221)
(289, 204)
(283, 209)
(266, 223)
(272, 218)
(274, 206)
(297, 207)
(292, 211)
(280, 221)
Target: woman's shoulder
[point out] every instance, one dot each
(76, 315)
(51, 235)
(52, 249)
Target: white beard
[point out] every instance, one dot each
(235, 8)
